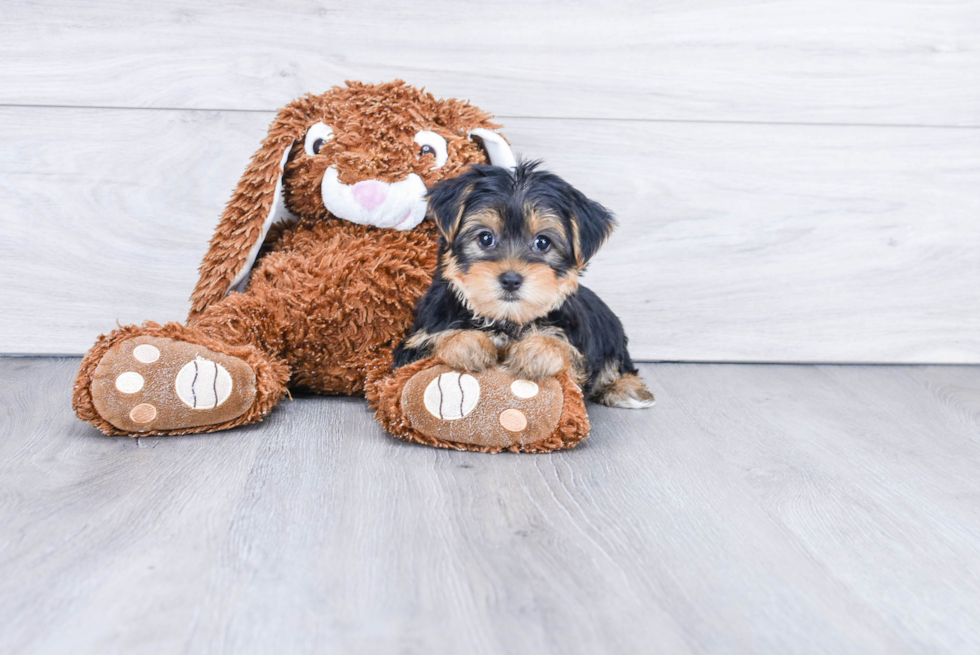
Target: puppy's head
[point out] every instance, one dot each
(514, 241)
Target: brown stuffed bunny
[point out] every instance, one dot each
(312, 273)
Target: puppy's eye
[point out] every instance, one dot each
(434, 144)
(485, 239)
(316, 137)
(542, 243)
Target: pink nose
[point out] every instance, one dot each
(370, 194)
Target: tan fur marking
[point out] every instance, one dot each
(465, 350)
(420, 340)
(541, 292)
(541, 354)
(489, 218)
(577, 244)
(607, 376)
(538, 221)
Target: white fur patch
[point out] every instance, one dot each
(634, 403)
(403, 207)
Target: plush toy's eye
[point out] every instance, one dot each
(431, 143)
(485, 239)
(316, 137)
(542, 243)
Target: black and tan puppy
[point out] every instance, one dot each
(513, 243)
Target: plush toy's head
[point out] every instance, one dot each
(364, 153)
(367, 153)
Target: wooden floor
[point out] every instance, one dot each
(756, 509)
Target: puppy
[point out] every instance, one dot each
(512, 245)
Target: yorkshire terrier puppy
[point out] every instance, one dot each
(512, 245)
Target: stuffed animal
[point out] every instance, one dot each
(312, 274)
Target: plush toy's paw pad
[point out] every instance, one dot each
(155, 383)
(451, 395)
(492, 409)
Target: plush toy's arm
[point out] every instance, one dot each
(255, 205)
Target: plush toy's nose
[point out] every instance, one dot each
(370, 194)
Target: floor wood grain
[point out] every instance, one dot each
(834, 61)
(735, 242)
(764, 509)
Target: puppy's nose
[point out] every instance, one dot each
(511, 281)
(370, 193)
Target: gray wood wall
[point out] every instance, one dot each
(795, 181)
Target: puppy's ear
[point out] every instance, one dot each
(591, 226)
(447, 201)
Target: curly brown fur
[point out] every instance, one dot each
(331, 298)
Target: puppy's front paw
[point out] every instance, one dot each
(539, 356)
(467, 350)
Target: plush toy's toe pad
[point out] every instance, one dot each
(157, 383)
(490, 409)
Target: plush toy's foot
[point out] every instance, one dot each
(138, 381)
(491, 411)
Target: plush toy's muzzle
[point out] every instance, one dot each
(399, 205)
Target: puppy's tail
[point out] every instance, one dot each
(628, 391)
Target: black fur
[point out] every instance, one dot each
(587, 322)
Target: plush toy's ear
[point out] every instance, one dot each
(497, 149)
(256, 204)
(591, 225)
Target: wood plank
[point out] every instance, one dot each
(761, 509)
(736, 242)
(834, 61)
